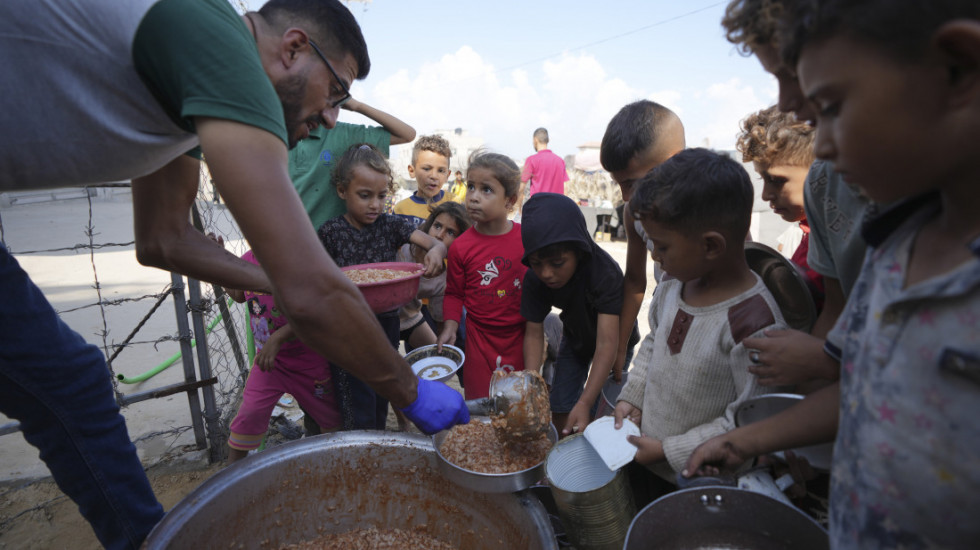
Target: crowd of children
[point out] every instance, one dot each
(365, 235)
(870, 149)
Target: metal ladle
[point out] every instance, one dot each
(518, 403)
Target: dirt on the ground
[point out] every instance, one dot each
(37, 515)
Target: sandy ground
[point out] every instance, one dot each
(33, 512)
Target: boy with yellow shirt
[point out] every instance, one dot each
(430, 168)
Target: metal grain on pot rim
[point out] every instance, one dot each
(489, 483)
(334, 483)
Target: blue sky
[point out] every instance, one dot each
(501, 68)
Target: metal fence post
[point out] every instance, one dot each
(187, 357)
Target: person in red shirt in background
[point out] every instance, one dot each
(781, 149)
(544, 171)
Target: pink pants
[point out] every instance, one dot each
(308, 383)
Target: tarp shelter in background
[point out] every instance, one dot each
(593, 189)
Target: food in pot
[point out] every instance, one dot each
(366, 276)
(477, 447)
(372, 539)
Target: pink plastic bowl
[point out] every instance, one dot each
(389, 295)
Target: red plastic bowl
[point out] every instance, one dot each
(389, 295)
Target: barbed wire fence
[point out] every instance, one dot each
(210, 333)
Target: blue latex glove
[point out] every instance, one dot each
(437, 407)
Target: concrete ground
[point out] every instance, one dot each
(34, 233)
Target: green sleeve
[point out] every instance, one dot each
(198, 58)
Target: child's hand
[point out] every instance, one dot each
(448, 334)
(434, 260)
(648, 449)
(266, 357)
(578, 419)
(626, 410)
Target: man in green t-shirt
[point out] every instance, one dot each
(311, 161)
(131, 87)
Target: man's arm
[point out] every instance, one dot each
(325, 309)
(399, 130)
(166, 239)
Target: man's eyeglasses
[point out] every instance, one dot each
(347, 96)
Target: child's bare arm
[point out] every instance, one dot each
(533, 346)
(266, 357)
(400, 131)
(634, 286)
(607, 333)
(448, 334)
(435, 258)
(811, 421)
(833, 305)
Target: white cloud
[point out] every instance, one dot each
(572, 95)
(721, 106)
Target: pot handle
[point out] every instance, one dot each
(480, 407)
(706, 481)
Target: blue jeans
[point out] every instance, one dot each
(571, 372)
(59, 389)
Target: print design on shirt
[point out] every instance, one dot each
(493, 270)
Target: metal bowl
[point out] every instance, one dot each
(429, 363)
(490, 483)
(385, 296)
(764, 406)
(334, 483)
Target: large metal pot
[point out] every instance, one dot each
(723, 517)
(337, 482)
(490, 483)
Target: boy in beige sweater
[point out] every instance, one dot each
(691, 373)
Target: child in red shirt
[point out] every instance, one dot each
(485, 275)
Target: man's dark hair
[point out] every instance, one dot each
(901, 28)
(636, 128)
(330, 24)
(541, 134)
(694, 191)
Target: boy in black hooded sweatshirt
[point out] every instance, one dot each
(570, 272)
